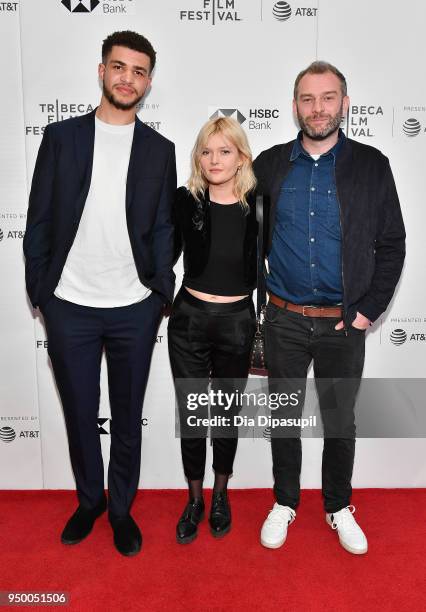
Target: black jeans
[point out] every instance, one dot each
(292, 341)
(209, 340)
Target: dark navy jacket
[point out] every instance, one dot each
(373, 235)
(59, 190)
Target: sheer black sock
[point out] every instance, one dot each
(220, 482)
(195, 489)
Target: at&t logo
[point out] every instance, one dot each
(16, 234)
(398, 337)
(282, 11)
(7, 434)
(411, 127)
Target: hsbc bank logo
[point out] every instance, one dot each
(256, 119)
(233, 113)
(109, 7)
(80, 6)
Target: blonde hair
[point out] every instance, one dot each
(245, 180)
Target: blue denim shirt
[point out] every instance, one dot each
(305, 259)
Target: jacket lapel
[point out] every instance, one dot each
(345, 175)
(279, 172)
(84, 140)
(138, 157)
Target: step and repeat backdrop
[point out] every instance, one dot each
(239, 57)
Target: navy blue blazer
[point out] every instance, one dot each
(59, 190)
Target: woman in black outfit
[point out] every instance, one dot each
(212, 322)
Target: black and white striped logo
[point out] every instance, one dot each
(7, 434)
(281, 11)
(398, 337)
(411, 127)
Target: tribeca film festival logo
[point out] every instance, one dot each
(282, 11)
(51, 112)
(212, 11)
(57, 111)
(363, 120)
(122, 7)
(259, 119)
(104, 425)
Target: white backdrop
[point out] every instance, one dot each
(212, 54)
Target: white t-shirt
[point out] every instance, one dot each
(100, 270)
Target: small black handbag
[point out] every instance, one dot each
(257, 357)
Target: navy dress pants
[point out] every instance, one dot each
(77, 336)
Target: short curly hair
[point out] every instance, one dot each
(131, 40)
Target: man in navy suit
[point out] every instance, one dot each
(99, 249)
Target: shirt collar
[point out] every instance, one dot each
(299, 150)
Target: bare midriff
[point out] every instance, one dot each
(208, 297)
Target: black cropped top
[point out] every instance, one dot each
(224, 271)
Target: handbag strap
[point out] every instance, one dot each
(261, 280)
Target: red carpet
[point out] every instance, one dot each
(311, 572)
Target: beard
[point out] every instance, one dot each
(119, 105)
(320, 133)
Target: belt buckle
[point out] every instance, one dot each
(313, 308)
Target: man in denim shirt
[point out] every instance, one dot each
(335, 251)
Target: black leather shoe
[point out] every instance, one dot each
(127, 535)
(220, 515)
(81, 523)
(186, 529)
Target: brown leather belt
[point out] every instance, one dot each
(307, 311)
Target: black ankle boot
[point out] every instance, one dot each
(186, 529)
(220, 514)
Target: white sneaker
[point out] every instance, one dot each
(351, 536)
(274, 529)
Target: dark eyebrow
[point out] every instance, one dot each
(113, 61)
